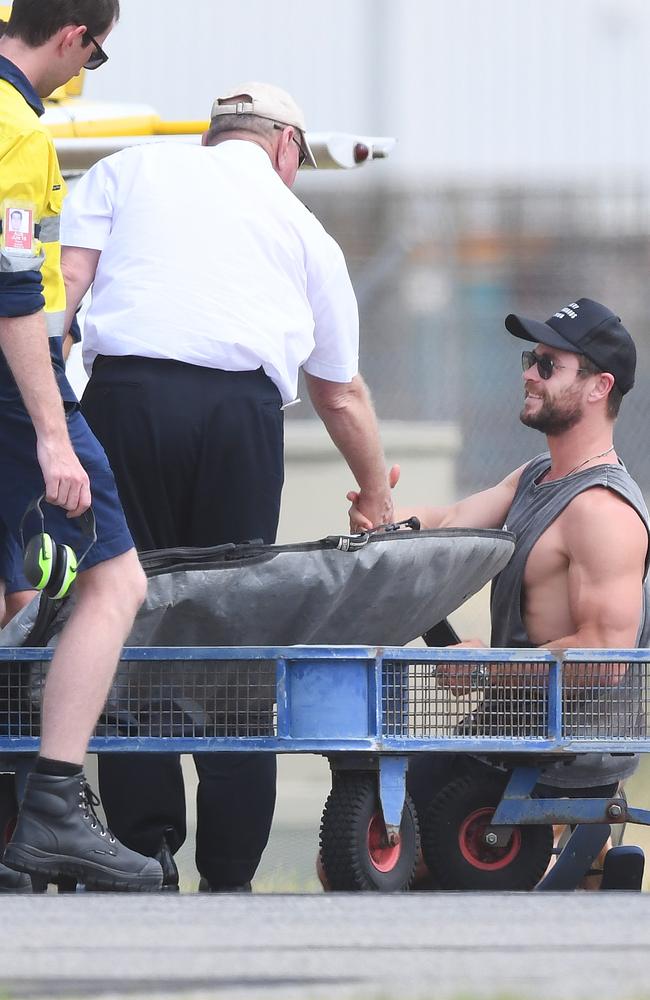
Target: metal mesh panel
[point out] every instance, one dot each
(20, 715)
(605, 700)
(465, 699)
(422, 698)
(181, 698)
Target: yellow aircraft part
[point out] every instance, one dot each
(100, 128)
(181, 128)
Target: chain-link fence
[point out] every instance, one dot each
(437, 270)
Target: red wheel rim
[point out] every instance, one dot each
(384, 856)
(479, 854)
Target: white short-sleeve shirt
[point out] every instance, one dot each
(208, 258)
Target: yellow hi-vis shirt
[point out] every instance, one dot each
(32, 190)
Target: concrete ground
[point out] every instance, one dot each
(453, 946)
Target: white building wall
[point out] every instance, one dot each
(178, 57)
(535, 86)
(481, 88)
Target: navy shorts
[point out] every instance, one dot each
(21, 481)
(11, 563)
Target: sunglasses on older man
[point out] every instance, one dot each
(546, 365)
(99, 57)
(302, 155)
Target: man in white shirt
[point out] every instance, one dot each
(212, 286)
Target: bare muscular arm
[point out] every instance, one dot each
(487, 509)
(606, 544)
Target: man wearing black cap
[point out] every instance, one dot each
(580, 520)
(579, 573)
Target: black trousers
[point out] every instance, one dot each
(197, 454)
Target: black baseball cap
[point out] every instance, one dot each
(584, 327)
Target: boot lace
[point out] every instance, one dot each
(88, 803)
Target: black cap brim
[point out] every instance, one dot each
(538, 333)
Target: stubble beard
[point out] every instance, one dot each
(554, 417)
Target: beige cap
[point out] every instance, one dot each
(265, 101)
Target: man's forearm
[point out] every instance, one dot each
(596, 672)
(79, 266)
(24, 343)
(430, 517)
(352, 424)
(349, 416)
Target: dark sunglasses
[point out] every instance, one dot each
(302, 155)
(546, 365)
(98, 58)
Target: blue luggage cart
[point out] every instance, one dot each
(370, 710)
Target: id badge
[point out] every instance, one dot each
(18, 230)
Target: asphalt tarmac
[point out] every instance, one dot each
(339, 947)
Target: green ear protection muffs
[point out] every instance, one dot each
(51, 566)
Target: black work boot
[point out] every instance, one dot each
(11, 881)
(168, 865)
(204, 886)
(58, 834)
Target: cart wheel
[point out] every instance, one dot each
(456, 853)
(8, 809)
(354, 849)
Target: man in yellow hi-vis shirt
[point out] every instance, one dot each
(51, 466)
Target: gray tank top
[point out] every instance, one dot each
(535, 506)
(533, 509)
